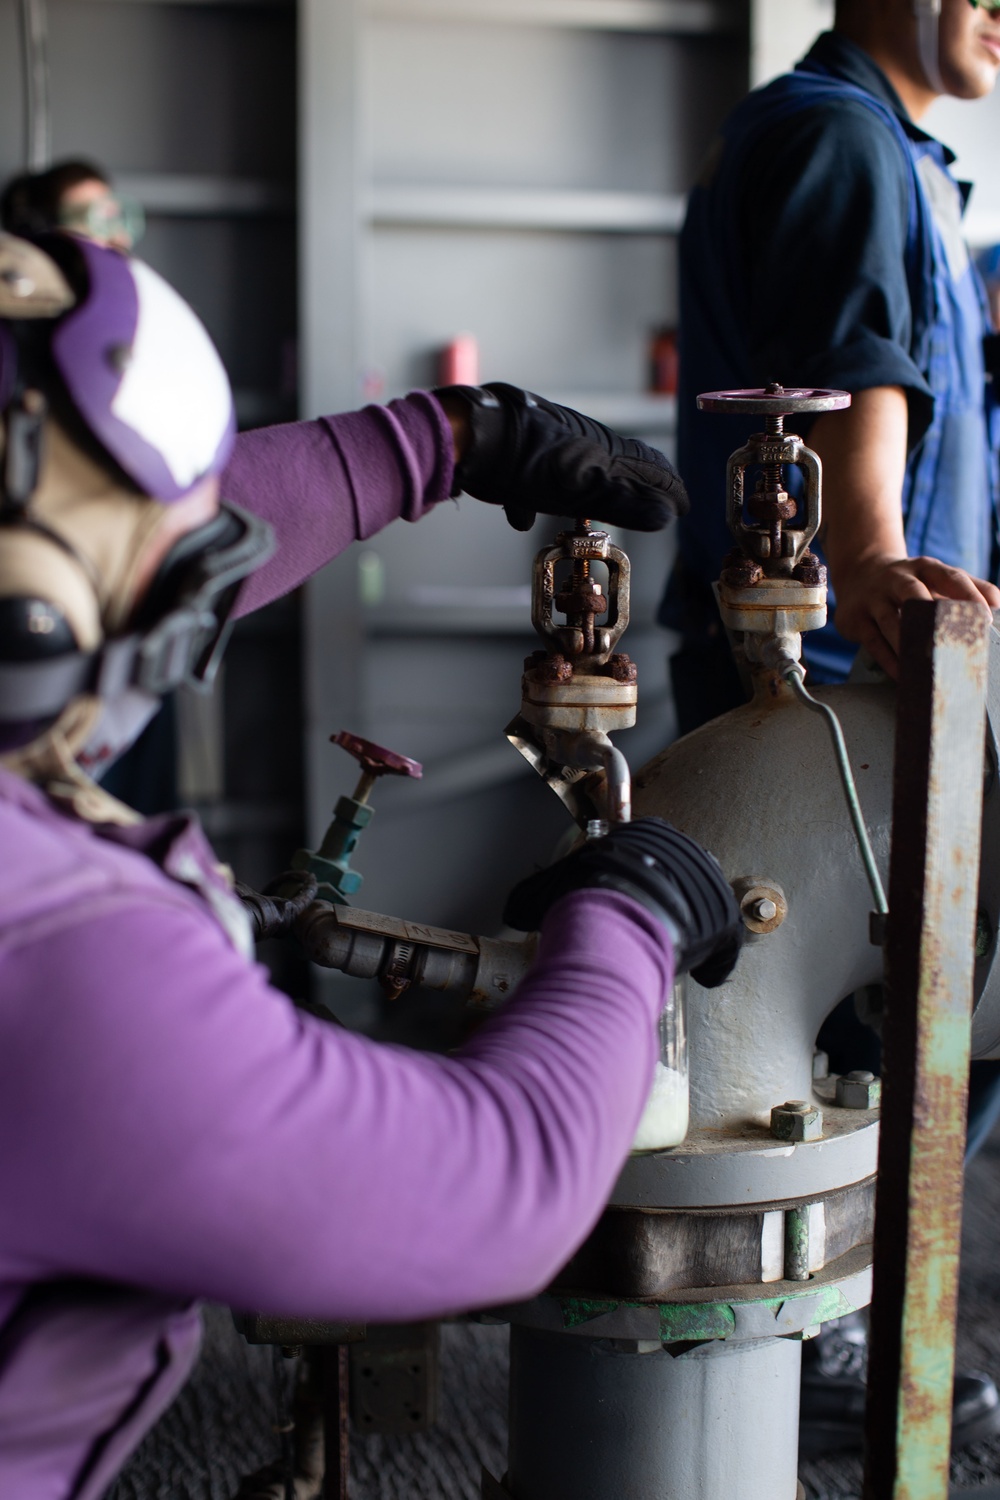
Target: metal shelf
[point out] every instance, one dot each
(679, 17)
(388, 624)
(627, 411)
(404, 204)
(223, 4)
(197, 196)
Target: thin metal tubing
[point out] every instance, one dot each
(793, 676)
(33, 18)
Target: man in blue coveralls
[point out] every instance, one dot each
(823, 247)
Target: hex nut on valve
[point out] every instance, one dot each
(859, 1090)
(762, 903)
(797, 1120)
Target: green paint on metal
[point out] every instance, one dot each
(681, 1322)
(797, 1244)
(577, 1310)
(933, 932)
(331, 863)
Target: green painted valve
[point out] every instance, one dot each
(331, 862)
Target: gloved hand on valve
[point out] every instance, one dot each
(527, 454)
(666, 872)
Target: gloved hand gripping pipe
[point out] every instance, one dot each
(794, 676)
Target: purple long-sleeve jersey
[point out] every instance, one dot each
(172, 1128)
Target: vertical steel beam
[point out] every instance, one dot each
(930, 952)
(336, 1434)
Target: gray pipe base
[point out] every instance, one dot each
(718, 1421)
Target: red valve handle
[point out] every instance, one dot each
(375, 759)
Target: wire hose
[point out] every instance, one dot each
(793, 675)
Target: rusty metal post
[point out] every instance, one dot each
(335, 1421)
(930, 951)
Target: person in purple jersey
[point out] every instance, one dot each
(171, 1128)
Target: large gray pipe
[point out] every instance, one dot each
(592, 1421)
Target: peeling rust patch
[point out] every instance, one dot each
(958, 624)
(930, 956)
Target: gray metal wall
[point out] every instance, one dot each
(433, 185)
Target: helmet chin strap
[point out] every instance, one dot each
(927, 13)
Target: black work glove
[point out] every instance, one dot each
(274, 916)
(662, 869)
(528, 454)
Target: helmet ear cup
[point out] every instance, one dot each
(34, 630)
(47, 603)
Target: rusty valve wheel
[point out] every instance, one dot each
(375, 761)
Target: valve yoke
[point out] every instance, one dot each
(772, 586)
(581, 641)
(769, 541)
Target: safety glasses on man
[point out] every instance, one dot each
(107, 220)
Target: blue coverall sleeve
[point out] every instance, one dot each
(824, 212)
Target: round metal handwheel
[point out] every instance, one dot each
(773, 401)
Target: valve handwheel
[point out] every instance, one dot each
(375, 760)
(769, 542)
(773, 400)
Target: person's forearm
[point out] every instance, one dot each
(863, 452)
(325, 484)
(265, 1159)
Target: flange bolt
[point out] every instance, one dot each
(797, 1120)
(859, 1090)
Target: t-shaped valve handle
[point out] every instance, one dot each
(375, 761)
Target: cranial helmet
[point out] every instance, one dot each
(114, 405)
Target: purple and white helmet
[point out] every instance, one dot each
(144, 375)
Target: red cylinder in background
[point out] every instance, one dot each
(458, 362)
(663, 362)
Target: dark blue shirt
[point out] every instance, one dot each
(823, 247)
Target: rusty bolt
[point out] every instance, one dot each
(859, 1090)
(535, 660)
(740, 571)
(762, 904)
(810, 571)
(582, 597)
(554, 668)
(796, 1120)
(771, 503)
(621, 668)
